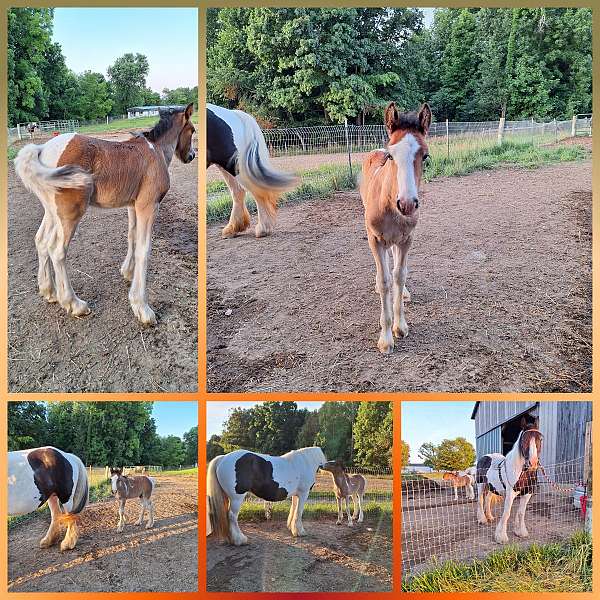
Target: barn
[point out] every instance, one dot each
(135, 112)
(566, 427)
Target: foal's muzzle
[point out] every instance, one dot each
(407, 206)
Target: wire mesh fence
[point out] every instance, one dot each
(378, 491)
(328, 158)
(437, 528)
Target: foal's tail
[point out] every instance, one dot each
(81, 493)
(39, 178)
(256, 173)
(218, 502)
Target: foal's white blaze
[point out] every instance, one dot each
(404, 153)
(113, 480)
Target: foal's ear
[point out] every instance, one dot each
(425, 118)
(189, 110)
(391, 118)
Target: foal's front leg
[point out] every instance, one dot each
(400, 253)
(128, 265)
(383, 282)
(145, 215)
(121, 523)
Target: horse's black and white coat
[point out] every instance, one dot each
(236, 145)
(272, 478)
(511, 477)
(49, 475)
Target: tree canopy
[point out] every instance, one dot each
(450, 455)
(322, 65)
(100, 433)
(357, 433)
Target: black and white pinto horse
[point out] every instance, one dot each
(49, 475)
(236, 145)
(273, 478)
(512, 476)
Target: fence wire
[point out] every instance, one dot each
(437, 528)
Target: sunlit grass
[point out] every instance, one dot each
(192, 471)
(557, 567)
(127, 124)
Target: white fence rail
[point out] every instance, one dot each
(437, 528)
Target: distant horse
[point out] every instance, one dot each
(461, 479)
(346, 487)
(32, 128)
(71, 172)
(510, 476)
(273, 478)
(139, 486)
(389, 190)
(48, 475)
(236, 145)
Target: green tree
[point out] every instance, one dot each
(276, 426)
(128, 78)
(172, 451)
(190, 441)
(455, 455)
(428, 453)
(308, 432)
(335, 435)
(94, 100)
(237, 430)
(373, 434)
(214, 447)
(404, 454)
(27, 425)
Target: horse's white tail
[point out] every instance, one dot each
(218, 502)
(40, 179)
(81, 493)
(152, 484)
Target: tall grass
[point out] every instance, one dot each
(463, 159)
(557, 567)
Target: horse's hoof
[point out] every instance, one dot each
(78, 308)
(400, 331)
(521, 534)
(49, 295)
(260, 231)
(386, 346)
(66, 546)
(127, 274)
(502, 539)
(144, 314)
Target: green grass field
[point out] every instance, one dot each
(463, 159)
(558, 567)
(126, 124)
(193, 471)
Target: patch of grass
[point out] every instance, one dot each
(254, 511)
(127, 124)
(100, 490)
(464, 159)
(557, 567)
(192, 471)
(12, 152)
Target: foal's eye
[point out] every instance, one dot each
(425, 157)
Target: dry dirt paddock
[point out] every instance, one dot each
(108, 350)
(161, 559)
(331, 558)
(500, 276)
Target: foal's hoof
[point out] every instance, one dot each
(261, 231)
(49, 295)
(521, 533)
(400, 331)
(149, 525)
(127, 274)
(78, 308)
(47, 542)
(144, 314)
(406, 295)
(67, 545)
(501, 538)
(385, 346)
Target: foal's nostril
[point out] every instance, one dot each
(416, 202)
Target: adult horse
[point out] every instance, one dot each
(273, 478)
(49, 475)
(236, 145)
(71, 172)
(138, 486)
(390, 193)
(510, 476)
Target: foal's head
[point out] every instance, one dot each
(530, 443)
(178, 121)
(408, 149)
(333, 466)
(118, 481)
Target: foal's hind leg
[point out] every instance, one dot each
(70, 207)
(128, 265)
(239, 220)
(53, 532)
(46, 284)
(150, 505)
(143, 506)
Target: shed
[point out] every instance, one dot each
(136, 112)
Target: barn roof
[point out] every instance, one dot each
(475, 410)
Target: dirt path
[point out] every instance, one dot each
(107, 351)
(332, 558)
(500, 273)
(164, 558)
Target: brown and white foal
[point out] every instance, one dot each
(346, 487)
(390, 193)
(139, 486)
(71, 172)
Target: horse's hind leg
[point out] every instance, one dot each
(361, 516)
(482, 494)
(239, 220)
(70, 207)
(340, 511)
(150, 505)
(237, 537)
(143, 506)
(128, 265)
(266, 206)
(46, 286)
(53, 532)
(350, 522)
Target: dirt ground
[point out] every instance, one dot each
(161, 559)
(331, 558)
(500, 276)
(107, 351)
(436, 528)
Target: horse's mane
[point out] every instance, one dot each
(313, 453)
(164, 124)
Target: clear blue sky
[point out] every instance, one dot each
(217, 413)
(428, 20)
(92, 38)
(434, 421)
(175, 418)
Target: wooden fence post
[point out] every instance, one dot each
(447, 140)
(574, 126)
(501, 130)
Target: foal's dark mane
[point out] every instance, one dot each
(164, 124)
(408, 120)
